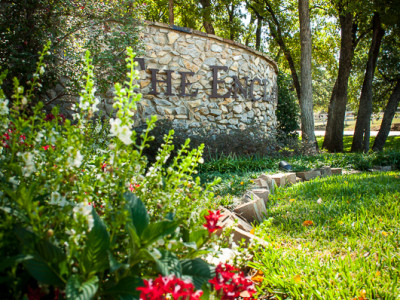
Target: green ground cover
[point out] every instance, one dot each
(236, 173)
(350, 247)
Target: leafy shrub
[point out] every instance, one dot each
(287, 111)
(106, 28)
(235, 142)
(84, 215)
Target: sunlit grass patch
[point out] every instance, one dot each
(333, 238)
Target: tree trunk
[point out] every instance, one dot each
(171, 12)
(306, 103)
(258, 32)
(362, 129)
(277, 35)
(390, 111)
(333, 140)
(231, 14)
(207, 20)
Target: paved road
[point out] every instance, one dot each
(373, 133)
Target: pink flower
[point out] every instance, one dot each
(166, 287)
(212, 220)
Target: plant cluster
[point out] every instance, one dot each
(85, 215)
(236, 142)
(287, 111)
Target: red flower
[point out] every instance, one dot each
(212, 220)
(230, 283)
(46, 147)
(61, 118)
(166, 287)
(133, 187)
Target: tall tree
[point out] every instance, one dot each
(362, 129)
(333, 140)
(266, 9)
(171, 12)
(306, 103)
(207, 16)
(390, 111)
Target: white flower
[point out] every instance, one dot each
(3, 106)
(57, 199)
(41, 70)
(20, 90)
(29, 164)
(83, 104)
(24, 101)
(319, 201)
(156, 253)
(115, 126)
(85, 210)
(94, 105)
(78, 159)
(125, 135)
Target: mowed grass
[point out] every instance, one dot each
(392, 142)
(351, 248)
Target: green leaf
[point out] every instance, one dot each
(76, 290)
(135, 240)
(198, 270)
(42, 271)
(14, 212)
(44, 260)
(199, 237)
(95, 255)
(125, 288)
(158, 230)
(169, 264)
(114, 264)
(138, 212)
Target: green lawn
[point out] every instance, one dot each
(352, 248)
(392, 142)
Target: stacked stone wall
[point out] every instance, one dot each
(201, 81)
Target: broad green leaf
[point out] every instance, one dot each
(158, 230)
(77, 290)
(7, 261)
(135, 240)
(125, 288)
(142, 255)
(95, 255)
(114, 264)
(198, 270)
(169, 264)
(44, 260)
(198, 237)
(137, 211)
(42, 247)
(42, 271)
